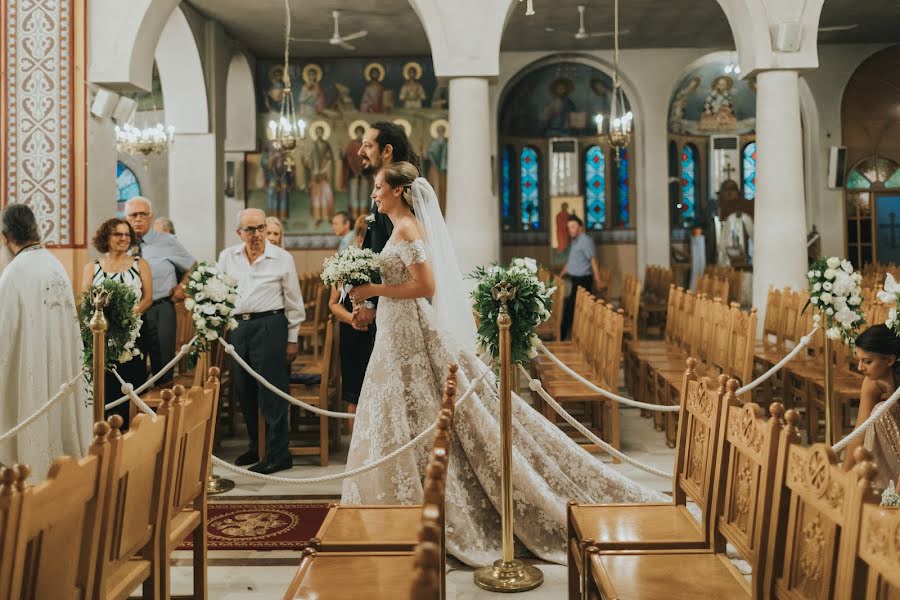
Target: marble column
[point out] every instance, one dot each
(779, 242)
(192, 192)
(472, 214)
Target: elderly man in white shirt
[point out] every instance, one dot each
(269, 311)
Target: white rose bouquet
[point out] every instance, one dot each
(211, 298)
(834, 289)
(890, 295)
(528, 308)
(351, 267)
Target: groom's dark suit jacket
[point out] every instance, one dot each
(378, 232)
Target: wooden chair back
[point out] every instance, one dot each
(741, 344)
(744, 480)
(813, 542)
(631, 303)
(134, 497)
(772, 319)
(12, 484)
(60, 526)
(792, 304)
(721, 336)
(878, 554)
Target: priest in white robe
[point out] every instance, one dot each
(40, 350)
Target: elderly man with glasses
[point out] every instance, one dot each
(168, 260)
(269, 310)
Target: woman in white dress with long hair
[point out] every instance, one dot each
(402, 391)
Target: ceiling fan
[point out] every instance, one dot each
(336, 39)
(583, 33)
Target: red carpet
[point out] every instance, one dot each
(284, 525)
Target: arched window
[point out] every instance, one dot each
(529, 182)
(748, 164)
(595, 188)
(688, 203)
(505, 186)
(623, 189)
(128, 187)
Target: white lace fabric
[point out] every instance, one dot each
(401, 396)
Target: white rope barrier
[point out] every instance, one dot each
(64, 390)
(803, 343)
(535, 385)
(616, 397)
(171, 365)
(862, 427)
(131, 393)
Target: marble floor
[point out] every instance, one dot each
(252, 575)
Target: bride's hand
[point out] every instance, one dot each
(361, 293)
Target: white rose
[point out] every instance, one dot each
(826, 298)
(855, 300)
(814, 300)
(199, 296)
(531, 265)
(201, 269)
(833, 263)
(125, 356)
(817, 287)
(215, 321)
(891, 318)
(833, 333)
(212, 334)
(830, 273)
(846, 266)
(818, 273)
(232, 324)
(189, 303)
(827, 286)
(231, 298)
(829, 311)
(129, 345)
(209, 309)
(810, 274)
(200, 322)
(196, 276)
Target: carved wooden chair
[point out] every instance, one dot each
(742, 510)
(12, 484)
(128, 554)
(192, 420)
(54, 546)
(667, 525)
(878, 554)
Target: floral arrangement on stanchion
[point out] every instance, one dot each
(834, 289)
(528, 308)
(211, 297)
(123, 324)
(350, 267)
(891, 295)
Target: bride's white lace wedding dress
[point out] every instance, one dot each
(401, 396)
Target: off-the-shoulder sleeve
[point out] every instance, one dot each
(413, 252)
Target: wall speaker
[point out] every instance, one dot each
(124, 110)
(837, 166)
(104, 103)
(786, 37)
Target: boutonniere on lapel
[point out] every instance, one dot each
(370, 218)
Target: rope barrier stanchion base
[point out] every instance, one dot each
(218, 485)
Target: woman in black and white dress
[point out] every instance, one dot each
(114, 238)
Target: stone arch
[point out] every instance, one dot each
(181, 76)
(240, 105)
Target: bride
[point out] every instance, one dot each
(401, 396)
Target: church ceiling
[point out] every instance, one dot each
(395, 30)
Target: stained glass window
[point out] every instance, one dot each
(595, 187)
(128, 187)
(624, 192)
(874, 170)
(529, 181)
(688, 204)
(749, 170)
(505, 192)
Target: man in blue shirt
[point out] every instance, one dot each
(168, 259)
(581, 267)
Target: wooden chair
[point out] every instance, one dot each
(668, 525)
(12, 484)
(312, 331)
(128, 554)
(55, 544)
(631, 305)
(190, 434)
(878, 559)
(743, 506)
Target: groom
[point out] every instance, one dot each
(384, 143)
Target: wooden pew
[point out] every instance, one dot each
(878, 560)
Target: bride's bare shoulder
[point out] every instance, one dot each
(408, 230)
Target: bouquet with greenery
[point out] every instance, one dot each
(834, 289)
(350, 267)
(211, 297)
(890, 497)
(529, 306)
(124, 325)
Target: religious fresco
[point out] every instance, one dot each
(338, 99)
(559, 99)
(712, 99)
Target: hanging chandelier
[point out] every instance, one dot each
(620, 119)
(144, 141)
(529, 7)
(288, 130)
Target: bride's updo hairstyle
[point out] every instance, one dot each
(401, 174)
(878, 339)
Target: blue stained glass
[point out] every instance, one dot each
(893, 181)
(595, 187)
(749, 163)
(688, 204)
(505, 183)
(128, 187)
(624, 183)
(529, 181)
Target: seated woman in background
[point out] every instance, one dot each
(877, 349)
(113, 239)
(275, 231)
(356, 344)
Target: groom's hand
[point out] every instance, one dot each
(363, 317)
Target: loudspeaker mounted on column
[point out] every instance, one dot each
(837, 165)
(104, 103)
(124, 110)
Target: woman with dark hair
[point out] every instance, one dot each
(114, 238)
(878, 349)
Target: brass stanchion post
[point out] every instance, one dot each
(506, 574)
(99, 326)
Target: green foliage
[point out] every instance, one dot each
(124, 324)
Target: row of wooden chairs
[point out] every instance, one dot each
(100, 526)
(720, 336)
(714, 287)
(654, 301)
(551, 329)
(807, 528)
(734, 277)
(631, 305)
(595, 353)
(389, 551)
